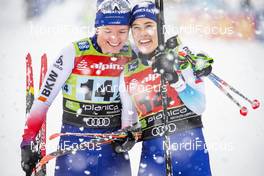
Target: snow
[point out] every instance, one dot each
(235, 143)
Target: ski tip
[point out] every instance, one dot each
(44, 161)
(44, 56)
(197, 81)
(255, 104)
(243, 111)
(182, 53)
(53, 136)
(28, 58)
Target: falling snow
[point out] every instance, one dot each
(86, 172)
(142, 165)
(79, 111)
(113, 59)
(98, 72)
(159, 159)
(238, 61)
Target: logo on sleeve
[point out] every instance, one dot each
(83, 45)
(59, 63)
(49, 84)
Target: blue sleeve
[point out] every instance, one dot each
(191, 92)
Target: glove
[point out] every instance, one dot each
(165, 64)
(29, 159)
(126, 144)
(203, 65)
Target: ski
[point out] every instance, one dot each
(29, 84)
(97, 138)
(96, 135)
(119, 135)
(42, 132)
(135, 129)
(41, 137)
(29, 87)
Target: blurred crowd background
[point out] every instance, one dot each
(225, 19)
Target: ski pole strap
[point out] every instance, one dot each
(155, 128)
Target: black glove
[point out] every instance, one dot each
(203, 66)
(204, 72)
(164, 64)
(29, 159)
(126, 144)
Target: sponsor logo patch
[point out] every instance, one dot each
(133, 65)
(49, 84)
(124, 49)
(59, 63)
(110, 66)
(83, 45)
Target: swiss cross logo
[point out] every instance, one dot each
(83, 45)
(82, 65)
(59, 61)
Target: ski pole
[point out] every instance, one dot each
(254, 103)
(243, 109)
(164, 97)
(218, 81)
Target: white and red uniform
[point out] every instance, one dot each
(89, 81)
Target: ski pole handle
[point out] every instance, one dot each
(190, 60)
